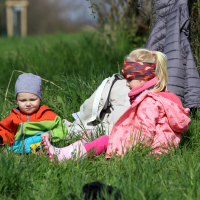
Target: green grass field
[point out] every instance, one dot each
(78, 63)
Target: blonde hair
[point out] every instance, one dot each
(144, 55)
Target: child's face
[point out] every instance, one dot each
(28, 103)
(133, 83)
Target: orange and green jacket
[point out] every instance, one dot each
(18, 124)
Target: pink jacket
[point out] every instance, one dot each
(152, 119)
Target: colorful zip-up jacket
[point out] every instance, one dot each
(18, 124)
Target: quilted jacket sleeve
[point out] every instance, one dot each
(6, 130)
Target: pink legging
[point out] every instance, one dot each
(99, 145)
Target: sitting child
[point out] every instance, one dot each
(30, 118)
(156, 117)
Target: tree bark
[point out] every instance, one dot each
(152, 16)
(194, 28)
(2, 19)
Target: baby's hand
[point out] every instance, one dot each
(45, 135)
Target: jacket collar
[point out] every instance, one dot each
(36, 115)
(136, 91)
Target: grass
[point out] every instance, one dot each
(78, 63)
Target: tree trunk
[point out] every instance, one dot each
(2, 19)
(194, 28)
(152, 16)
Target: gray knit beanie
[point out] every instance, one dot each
(28, 82)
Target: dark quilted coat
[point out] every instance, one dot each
(170, 36)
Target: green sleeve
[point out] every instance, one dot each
(59, 130)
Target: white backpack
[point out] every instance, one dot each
(103, 108)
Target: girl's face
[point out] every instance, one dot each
(133, 83)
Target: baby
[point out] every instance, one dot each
(30, 118)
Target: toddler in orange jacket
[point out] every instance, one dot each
(30, 118)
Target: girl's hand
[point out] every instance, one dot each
(45, 135)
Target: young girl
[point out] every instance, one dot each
(156, 117)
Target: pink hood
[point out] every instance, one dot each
(177, 116)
